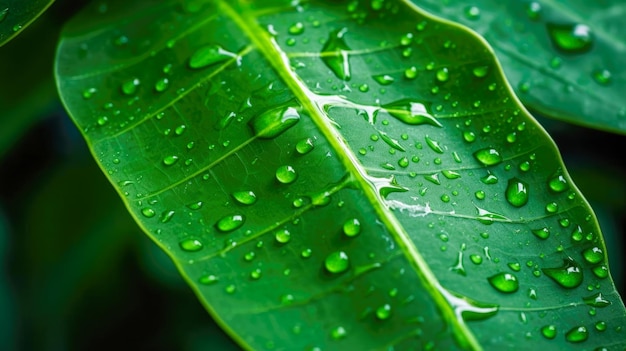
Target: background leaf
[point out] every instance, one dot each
(564, 59)
(15, 15)
(383, 204)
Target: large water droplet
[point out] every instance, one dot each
(411, 112)
(593, 255)
(305, 146)
(272, 123)
(557, 182)
(577, 334)
(245, 197)
(208, 55)
(570, 38)
(568, 276)
(504, 282)
(282, 236)
(230, 222)
(191, 245)
(488, 156)
(597, 300)
(170, 160)
(549, 331)
(335, 54)
(337, 262)
(286, 174)
(517, 192)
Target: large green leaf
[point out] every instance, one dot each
(340, 175)
(564, 59)
(15, 15)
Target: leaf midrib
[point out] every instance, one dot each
(280, 62)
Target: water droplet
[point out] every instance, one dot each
(170, 160)
(488, 156)
(601, 326)
(549, 331)
(601, 271)
(577, 334)
(542, 233)
(338, 333)
(89, 92)
(410, 73)
(245, 197)
(352, 227)
(337, 262)
(148, 212)
(282, 236)
(517, 192)
(383, 79)
(230, 222)
(306, 253)
(304, 146)
(272, 123)
(130, 87)
(411, 112)
(597, 300)
(208, 55)
(602, 77)
(504, 282)
(3, 13)
(162, 84)
(476, 259)
(552, 207)
(442, 74)
(208, 279)
(480, 71)
(570, 38)
(335, 54)
(286, 174)
(472, 12)
(533, 10)
(593, 255)
(433, 144)
(167, 216)
(568, 276)
(383, 312)
(296, 28)
(558, 183)
(191, 245)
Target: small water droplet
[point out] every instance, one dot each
(504, 282)
(306, 253)
(274, 122)
(130, 86)
(488, 156)
(442, 74)
(383, 79)
(602, 77)
(517, 192)
(245, 197)
(162, 84)
(570, 38)
(230, 222)
(577, 334)
(167, 216)
(148, 212)
(480, 71)
(337, 262)
(335, 54)
(286, 174)
(338, 333)
(208, 279)
(597, 300)
(305, 146)
(296, 28)
(208, 55)
(89, 92)
(191, 245)
(282, 236)
(411, 112)
(541, 233)
(383, 312)
(549, 331)
(170, 160)
(352, 227)
(568, 276)
(533, 10)
(472, 12)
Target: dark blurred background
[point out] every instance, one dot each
(76, 273)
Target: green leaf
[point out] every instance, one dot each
(564, 60)
(15, 15)
(340, 175)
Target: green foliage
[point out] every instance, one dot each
(15, 15)
(358, 184)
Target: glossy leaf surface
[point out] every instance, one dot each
(339, 175)
(564, 59)
(16, 15)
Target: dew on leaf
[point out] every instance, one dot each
(549, 331)
(411, 112)
(410, 73)
(601, 326)
(3, 13)
(273, 122)
(335, 54)
(383, 312)
(570, 38)
(129, 87)
(533, 10)
(504, 282)
(383, 79)
(255, 274)
(434, 145)
(230, 222)
(480, 71)
(552, 207)
(338, 333)
(557, 182)
(601, 271)
(517, 192)
(568, 276)
(596, 300)
(148, 212)
(442, 74)
(191, 245)
(208, 55)
(167, 216)
(593, 255)
(246, 197)
(170, 160)
(304, 146)
(89, 92)
(476, 259)
(286, 174)
(306, 253)
(195, 205)
(472, 12)
(352, 227)
(541, 233)
(296, 28)
(337, 262)
(488, 156)
(577, 334)
(208, 279)
(282, 236)
(602, 77)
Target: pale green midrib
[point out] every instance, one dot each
(264, 44)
